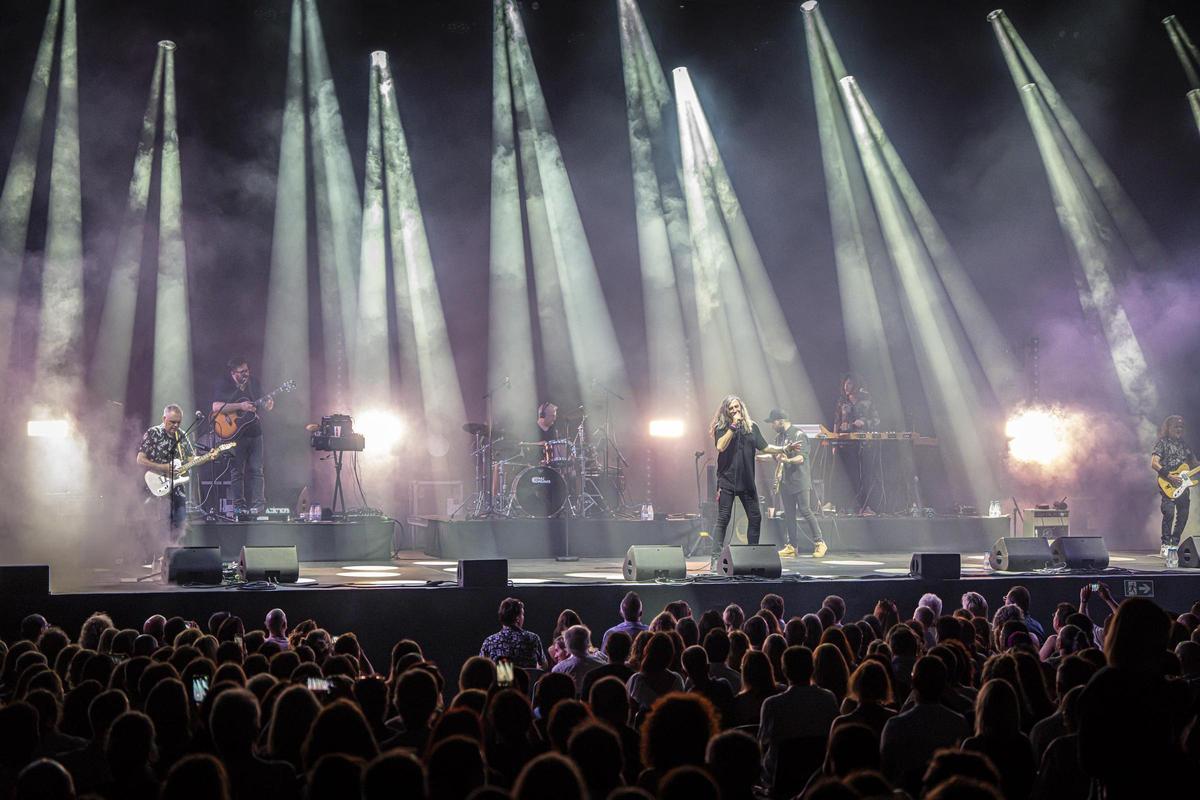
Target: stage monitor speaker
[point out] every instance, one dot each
(1020, 554)
(935, 566)
(192, 565)
(648, 562)
(761, 560)
(1079, 552)
(278, 564)
(1189, 552)
(475, 573)
(25, 580)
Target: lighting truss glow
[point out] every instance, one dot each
(510, 332)
(666, 428)
(110, 363)
(768, 366)
(1089, 210)
(48, 428)
(172, 364)
(17, 196)
(568, 288)
(664, 250)
(383, 430)
(60, 326)
(338, 210)
(286, 351)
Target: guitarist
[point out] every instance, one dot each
(161, 445)
(794, 484)
(236, 392)
(1171, 451)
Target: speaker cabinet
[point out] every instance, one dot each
(1189, 552)
(25, 580)
(1079, 552)
(750, 559)
(200, 565)
(645, 562)
(935, 566)
(1020, 554)
(474, 573)
(278, 564)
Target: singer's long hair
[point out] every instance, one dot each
(724, 418)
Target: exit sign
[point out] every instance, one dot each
(1139, 588)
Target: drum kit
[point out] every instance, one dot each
(546, 479)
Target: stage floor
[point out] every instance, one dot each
(415, 569)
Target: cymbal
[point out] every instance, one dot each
(480, 429)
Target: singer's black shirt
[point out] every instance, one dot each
(735, 464)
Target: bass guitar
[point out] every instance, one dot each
(1187, 479)
(160, 485)
(228, 424)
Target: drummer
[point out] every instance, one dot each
(547, 416)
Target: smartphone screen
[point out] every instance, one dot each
(504, 673)
(318, 685)
(1095, 587)
(199, 689)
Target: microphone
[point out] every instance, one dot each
(199, 415)
(699, 454)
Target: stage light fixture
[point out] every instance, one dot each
(383, 430)
(666, 428)
(47, 428)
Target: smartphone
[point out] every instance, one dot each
(199, 689)
(504, 674)
(318, 685)
(238, 639)
(1095, 587)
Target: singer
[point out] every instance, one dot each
(738, 439)
(161, 446)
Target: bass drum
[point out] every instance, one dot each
(540, 492)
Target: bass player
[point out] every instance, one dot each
(236, 392)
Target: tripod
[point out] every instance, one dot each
(338, 494)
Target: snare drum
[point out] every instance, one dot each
(558, 452)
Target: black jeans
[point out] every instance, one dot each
(1175, 517)
(797, 507)
(725, 511)
(246, 481)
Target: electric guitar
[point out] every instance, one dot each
(228, 424)
(780, 464)
(1187, 479)
(160, 485)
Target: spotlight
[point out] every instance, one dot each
(809, 6)
(47, 428)
(1039, 435)
(383, 429)
(666, 428)
(167, 44)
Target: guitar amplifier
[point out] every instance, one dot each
(1048, 523)
(269, 515)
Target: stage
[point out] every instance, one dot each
(610, 538)
(413, 595)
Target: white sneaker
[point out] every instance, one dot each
(1162, 551)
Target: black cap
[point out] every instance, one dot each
(776, 414)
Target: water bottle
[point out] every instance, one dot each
(1172, 557)
(994, 508)
(647, 512)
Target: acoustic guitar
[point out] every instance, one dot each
(228, 424)
(1187, 479)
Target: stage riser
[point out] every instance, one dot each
(528, 538)
(315, 541)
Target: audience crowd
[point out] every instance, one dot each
(948, 703)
